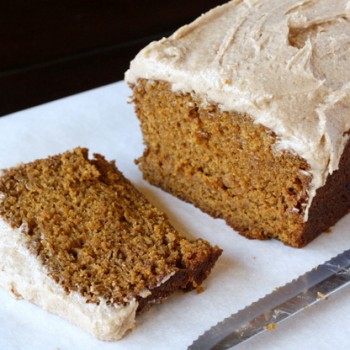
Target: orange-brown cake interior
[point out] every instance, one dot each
(96, 234)
(224, 163)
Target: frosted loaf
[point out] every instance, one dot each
(271, 80)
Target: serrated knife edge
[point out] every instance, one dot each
(277, 306)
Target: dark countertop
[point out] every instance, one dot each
(54, 49)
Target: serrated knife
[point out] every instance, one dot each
(282, 303)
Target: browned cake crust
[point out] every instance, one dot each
(96, 234)
(225, 164)
(332, 201)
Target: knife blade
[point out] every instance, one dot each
(284, 302)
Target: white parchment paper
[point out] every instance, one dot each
(102, 120)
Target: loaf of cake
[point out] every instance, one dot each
(78, 239)
(246, 114)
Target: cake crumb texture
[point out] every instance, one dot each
(227, 165)
(96, 234)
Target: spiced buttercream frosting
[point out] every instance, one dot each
(283, 62)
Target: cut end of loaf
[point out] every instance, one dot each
(227, 165)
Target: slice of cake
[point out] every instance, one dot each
(246, 114)
(77, 239)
